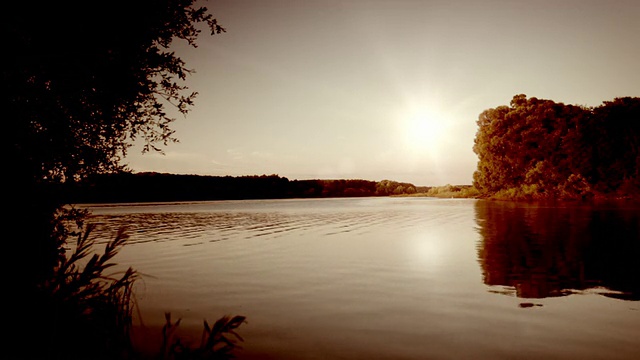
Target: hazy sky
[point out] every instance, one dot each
(363, 89)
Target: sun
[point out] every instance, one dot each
(424, 131)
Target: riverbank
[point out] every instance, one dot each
(517, 194)
(447, 192)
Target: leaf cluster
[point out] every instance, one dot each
(536, 148)
(87, 79)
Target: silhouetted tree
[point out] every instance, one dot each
(87, 79)
(82, 81)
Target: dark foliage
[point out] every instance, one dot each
(85, 78)
(538, 148)
(85, 304)
(82, 81)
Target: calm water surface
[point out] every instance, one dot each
(390, 278)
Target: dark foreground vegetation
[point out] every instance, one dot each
(90, 307)
(541, 149)
(82, 82)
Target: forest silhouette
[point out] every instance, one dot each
(154, 187)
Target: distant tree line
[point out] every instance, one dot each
(152, 187)
(538, 148)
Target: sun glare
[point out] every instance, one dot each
(427, 251)
(424, 132)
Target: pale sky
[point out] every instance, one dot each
(374, 90)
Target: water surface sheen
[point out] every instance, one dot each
(390, 278)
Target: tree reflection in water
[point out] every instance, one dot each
(535, 250)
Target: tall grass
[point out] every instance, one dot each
(87, 310)
(218, 341)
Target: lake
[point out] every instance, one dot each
(389, 277)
